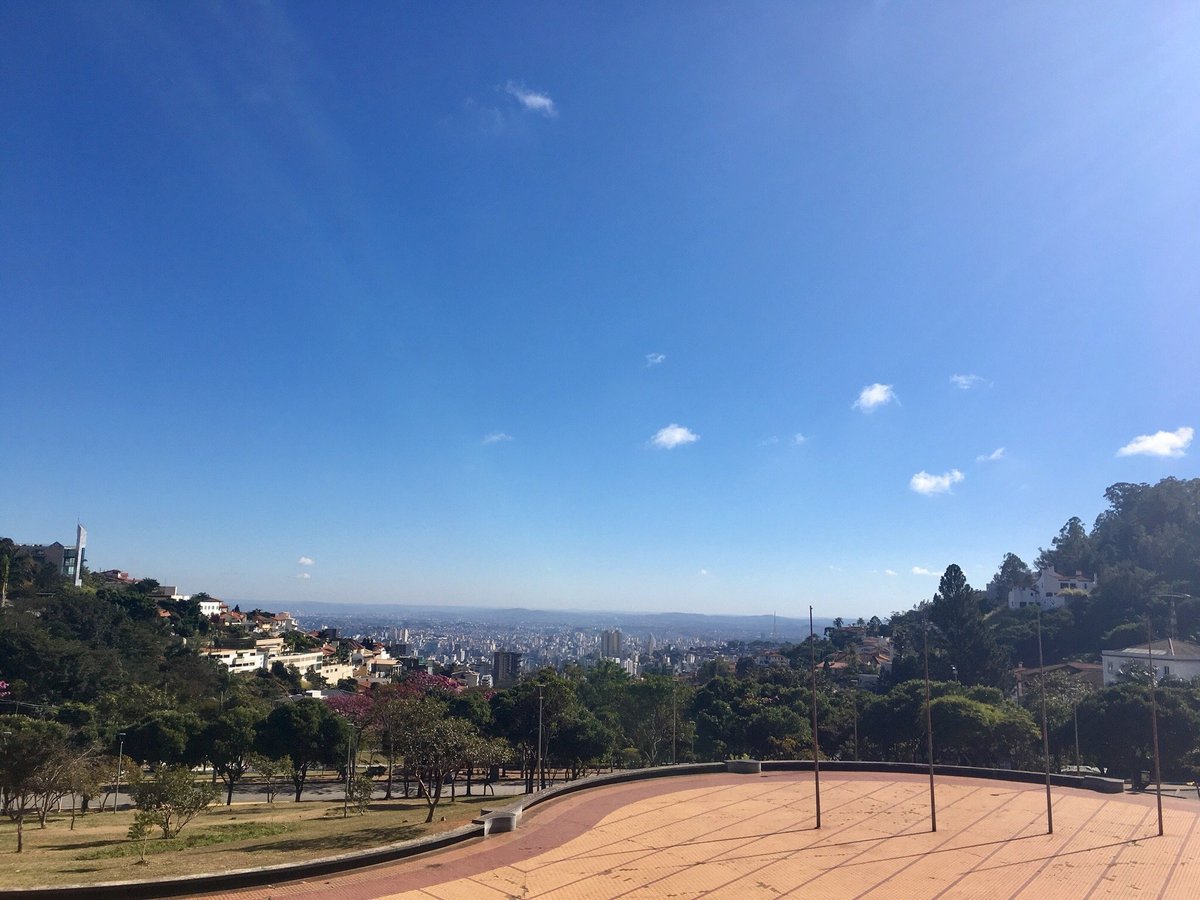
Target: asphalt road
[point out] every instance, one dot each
(328, 789)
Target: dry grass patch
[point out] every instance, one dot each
(237, 837)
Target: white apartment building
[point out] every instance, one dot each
(246, 660)
(1047, 590)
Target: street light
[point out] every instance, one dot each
(540, 761)
(120, 758)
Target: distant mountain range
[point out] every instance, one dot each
(713, 627)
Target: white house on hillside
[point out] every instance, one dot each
(1172, 659)
(1047, 590)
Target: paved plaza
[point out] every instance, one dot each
(750, 836)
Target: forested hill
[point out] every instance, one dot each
(1143, 550)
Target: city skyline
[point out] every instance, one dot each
(593, 308)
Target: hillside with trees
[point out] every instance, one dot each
(87, 670)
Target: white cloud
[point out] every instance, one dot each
(966, 382)
(654, 359)
(674, 436)
(798, 439)
(873, 396)
(924, 483)
(304, 575)
(772, 441)
(921, 570)
(996, 454)
(889, 572)
(704, 571)
(1161, 443)
(305, 561)
(496, 437)
(534, 101)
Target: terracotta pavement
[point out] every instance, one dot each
(751, 836)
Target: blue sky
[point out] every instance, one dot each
(526, 304)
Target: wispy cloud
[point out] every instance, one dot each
(924, 483)
(966, 382)
(772, 441)
(704, 572)
(996, 454)
(889, 572)
(921, 570)
(305, 561)
(673, 436)
(798, 439)
(655, 359)
(874, 396)
(534, 101)
(304, 576)
(1162, 443)
(496, 437)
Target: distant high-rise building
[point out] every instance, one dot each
(506, 668)
(610, 644)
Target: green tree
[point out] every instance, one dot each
(228, 742)
(307, 733)
(167, 737)
(272, 771)
(580, 740)
(968, 643)
(170, 798)
(30, 756)
(435, 747)
(1012, 574)
(1071, 550)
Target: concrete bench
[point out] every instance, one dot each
(498, 821)
(743, 766)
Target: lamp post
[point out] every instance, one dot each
(120, 759)
(674, 721)
(929, 733)
(1154, 725)
(541, 766)
(1045, 730)
(812, 637)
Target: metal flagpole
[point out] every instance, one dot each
(812, 639)
(1154, 726)
(929, 735)
(1045, 732)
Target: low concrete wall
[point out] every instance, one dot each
(1084, 782)
(506, 818)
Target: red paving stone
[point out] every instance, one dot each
(746, 836)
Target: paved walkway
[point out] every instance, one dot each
(753, 836)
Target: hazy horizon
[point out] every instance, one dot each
(618, 306)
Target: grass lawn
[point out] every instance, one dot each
(236, 837)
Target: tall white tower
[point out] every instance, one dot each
(80, 543)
